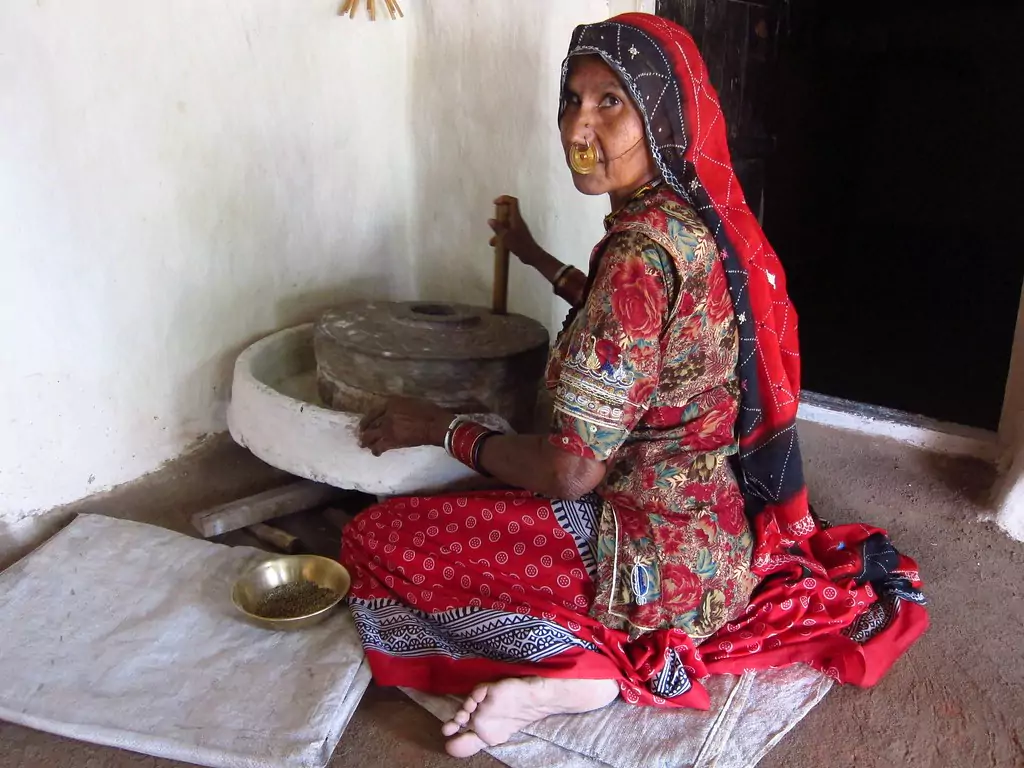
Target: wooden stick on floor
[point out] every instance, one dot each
(275, 537)
(241, 513)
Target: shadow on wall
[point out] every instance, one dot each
(481, 129)
(212, 473)
(20, 538)
(284, 236)
(307, 307)
(212, 374)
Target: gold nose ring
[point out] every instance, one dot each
(583, 158)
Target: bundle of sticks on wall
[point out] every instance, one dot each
(350, 6)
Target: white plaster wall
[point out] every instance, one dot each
(484, 108)
(615, 7)
(178, 179)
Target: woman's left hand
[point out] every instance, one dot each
(403, 422)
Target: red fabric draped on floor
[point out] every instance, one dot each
(450, 591)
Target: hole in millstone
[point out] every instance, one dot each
(432, 309)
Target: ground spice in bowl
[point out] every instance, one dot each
(298, 598)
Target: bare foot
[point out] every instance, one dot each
(495, 711)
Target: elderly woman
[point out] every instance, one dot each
(661, 530)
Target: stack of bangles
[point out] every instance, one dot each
(463, 441)
(561, 276)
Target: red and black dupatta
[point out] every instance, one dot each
(661, 67)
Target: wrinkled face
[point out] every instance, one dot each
(599, 110)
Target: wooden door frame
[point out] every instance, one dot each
(1011, 423)
(1008, 495)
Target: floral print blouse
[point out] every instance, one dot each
(644, 378)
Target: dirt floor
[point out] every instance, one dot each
(956, 699)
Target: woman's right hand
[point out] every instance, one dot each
(515, 234)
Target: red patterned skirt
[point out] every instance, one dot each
(451, 591)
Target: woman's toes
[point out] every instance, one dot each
(450, 728)
(462, 717)
(478, 694)
(464, 745)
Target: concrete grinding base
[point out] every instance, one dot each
(277, 414)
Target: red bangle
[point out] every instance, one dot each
(466, 439)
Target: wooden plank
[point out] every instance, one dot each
(241, 513)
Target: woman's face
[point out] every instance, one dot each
(599, 110)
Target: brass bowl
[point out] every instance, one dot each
(250, 589)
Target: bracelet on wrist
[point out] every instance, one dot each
(477, 447)
(448, 434)
(464, 441)
(560, 277)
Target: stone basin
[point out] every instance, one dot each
(276, 413)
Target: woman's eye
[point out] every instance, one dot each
(572, 98)
(610, 101)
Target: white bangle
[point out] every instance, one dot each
(448, 435)
(559, 276)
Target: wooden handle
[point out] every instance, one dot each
(499, 302)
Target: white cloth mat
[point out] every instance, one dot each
(749, 715)
(123, 634)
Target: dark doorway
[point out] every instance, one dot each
(889, 189)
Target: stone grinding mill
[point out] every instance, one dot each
(464, 358)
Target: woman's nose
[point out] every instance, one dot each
(579, 131)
